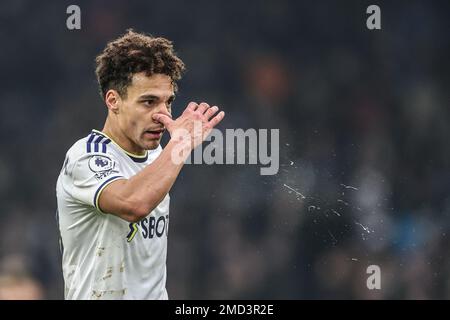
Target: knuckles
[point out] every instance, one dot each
(200, 114)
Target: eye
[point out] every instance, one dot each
(149, 102)
(170, 101)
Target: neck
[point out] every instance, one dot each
(114, 132)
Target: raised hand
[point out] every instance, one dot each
(194, 124)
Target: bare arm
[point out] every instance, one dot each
(133, 199)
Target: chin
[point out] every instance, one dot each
(152, 145)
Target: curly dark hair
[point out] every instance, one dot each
(134, 53)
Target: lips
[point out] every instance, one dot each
(157, 133)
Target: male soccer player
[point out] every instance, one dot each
(112, 192)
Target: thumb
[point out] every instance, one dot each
(163, 119)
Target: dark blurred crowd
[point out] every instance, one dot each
(363, 118)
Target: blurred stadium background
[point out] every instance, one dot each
(360, 108)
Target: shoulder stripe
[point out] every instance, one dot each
(89, 142)
(104, 143)
(134, 157)
(97, 141)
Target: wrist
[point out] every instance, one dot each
(180, 149)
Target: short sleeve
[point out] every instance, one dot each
(91, 173)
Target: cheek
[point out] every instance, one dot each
(133, 117)
(133, 124)
(137, 125)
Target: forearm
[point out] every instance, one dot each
(149, 187)
(134, 198)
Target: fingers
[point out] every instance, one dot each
(215, 121)
(192, 106)
(210, 112)
(202, 107)
(206, 112)
(163, 119)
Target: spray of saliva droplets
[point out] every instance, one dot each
(317, 206)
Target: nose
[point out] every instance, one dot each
(162, 109)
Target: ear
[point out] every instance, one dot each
(113, 100)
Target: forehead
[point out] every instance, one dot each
(157, 84)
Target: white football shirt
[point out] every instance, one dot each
(104, 256)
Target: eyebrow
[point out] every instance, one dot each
(153, 97)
